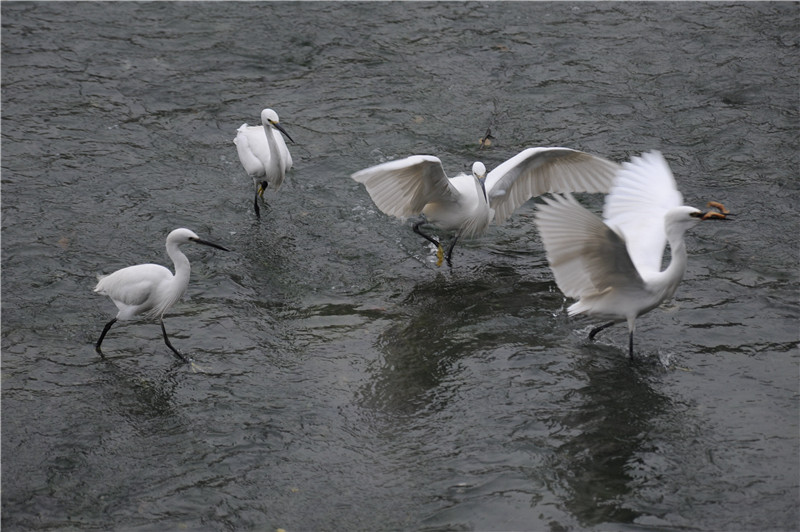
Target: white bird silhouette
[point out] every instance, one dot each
(467, 204)
(263, 153)
(150, 290)
(613, 268)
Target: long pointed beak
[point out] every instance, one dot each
(280, 128)
(207, 243)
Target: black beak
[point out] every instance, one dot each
(280, 128)
(207, 243)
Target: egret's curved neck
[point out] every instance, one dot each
(275, 155)
(673, 275)
(482, 183)
(181, 263)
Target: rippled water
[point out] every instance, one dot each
(341, 380)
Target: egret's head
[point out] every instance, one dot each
(680, 219)
(479, 171)
(183, 235)
(270, 118)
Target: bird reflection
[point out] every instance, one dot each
(613, 419)
(445, 323)
(139, 398)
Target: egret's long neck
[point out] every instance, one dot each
(482, 183)
(673, 275)
(182, 266)
(275, 156)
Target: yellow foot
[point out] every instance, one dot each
(439, 255)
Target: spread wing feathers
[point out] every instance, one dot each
(587, 257)
(402, 188)
(248, 139)
(644, 190)
(134, 286)
(537, 171)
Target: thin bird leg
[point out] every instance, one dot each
(599, 328)
(427, 237)
(260, 189)
(450, 250)
(166, 341)
(255, 206)
(630, 345)
(103, 335)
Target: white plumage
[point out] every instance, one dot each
(149, 290)
(467, 204)
(613, 268)
(263, 153)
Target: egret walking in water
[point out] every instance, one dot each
(467, 203)
(263, 153)
(150, 290)
(613, 268)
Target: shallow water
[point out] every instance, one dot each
(340, 379)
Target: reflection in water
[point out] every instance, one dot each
(611, 417)
(135, 396)
(446, 321)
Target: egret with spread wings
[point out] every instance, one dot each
(467, 203)
(613, 266)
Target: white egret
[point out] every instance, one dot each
(467, 204)
(263, 153)
(613, 268)
(150, 289)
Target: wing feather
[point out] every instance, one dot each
(402, 188)
(537, 171)
(247, 142)
(133, 286)
(586, 256)
(644, 190)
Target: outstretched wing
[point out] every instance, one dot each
(644, 190)
(537, 171)
(587, 257)
(402, 188)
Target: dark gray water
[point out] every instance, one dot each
(341, 380)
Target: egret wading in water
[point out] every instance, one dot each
(263, 153)
(149, 290)
(467, 203)
(613, 267)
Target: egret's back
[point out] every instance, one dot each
(466, 211)
(144, 289)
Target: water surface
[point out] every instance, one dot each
(342, 381)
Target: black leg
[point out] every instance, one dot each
(427, 237)
(630, 345)
(450, 250)
(255, 205)
(103, 335)
(166, 341)
(599, 328)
